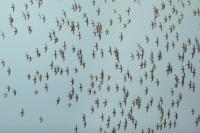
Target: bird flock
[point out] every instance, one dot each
(100, 66)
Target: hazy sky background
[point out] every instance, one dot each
(60, 118)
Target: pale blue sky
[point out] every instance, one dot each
(61, 119)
